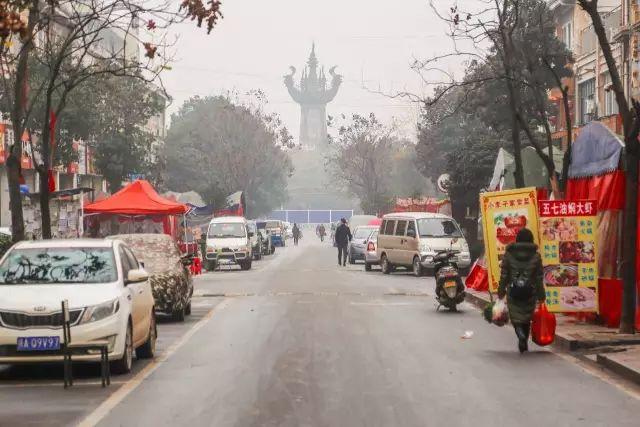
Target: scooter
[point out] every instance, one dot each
(449, 287)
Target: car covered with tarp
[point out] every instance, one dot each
(171, 281)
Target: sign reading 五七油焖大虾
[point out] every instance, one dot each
(504, 213)
(568, 246)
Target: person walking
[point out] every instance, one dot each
(322, 232)
(521, 282)
(342, 239)
(296, 234)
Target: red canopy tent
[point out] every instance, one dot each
(134, 204)
(137, 198)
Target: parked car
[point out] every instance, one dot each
(229, 240)
(371, 257)
(358, 244)
(268, 247)
(412, 239)
(168, 268)
(109, 299)
(256, 240)
(359, 220)
(276, 231)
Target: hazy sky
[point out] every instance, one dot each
(371, 41)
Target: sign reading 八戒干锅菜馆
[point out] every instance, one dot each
(568, 246)
(504, 214)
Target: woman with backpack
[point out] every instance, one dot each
(521, 282)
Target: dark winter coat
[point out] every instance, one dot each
(296, 232)
(343, 235)
(518, 257)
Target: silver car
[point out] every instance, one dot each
(358, 245)
(371, 254)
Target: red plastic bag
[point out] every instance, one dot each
(543, 326)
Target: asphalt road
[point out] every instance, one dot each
(299, 341)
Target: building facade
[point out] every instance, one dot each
(591, 97)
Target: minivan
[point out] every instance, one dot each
(412, 239)
(229, 240)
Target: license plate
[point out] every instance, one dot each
(450, 284)
(38, 343)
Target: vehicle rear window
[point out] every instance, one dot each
(362, 233)
(401, 227)
(29, 266)
(389, 227)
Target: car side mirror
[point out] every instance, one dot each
(136, 276)
(411, 233)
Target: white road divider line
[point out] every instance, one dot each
(112, 401)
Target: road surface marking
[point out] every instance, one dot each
(112, 401)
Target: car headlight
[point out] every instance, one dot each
(100, 311)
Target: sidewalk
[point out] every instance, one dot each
(619, 353)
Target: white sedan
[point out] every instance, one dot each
(109, 299)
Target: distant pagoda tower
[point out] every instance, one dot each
(313, 95)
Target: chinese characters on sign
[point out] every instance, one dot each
(569, 254)
(504, 213)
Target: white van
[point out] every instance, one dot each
(411, 239)
(229, 240)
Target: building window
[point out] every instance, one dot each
(586, 100)
(610, 107)
(567, 33)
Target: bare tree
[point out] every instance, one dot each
(361, 159)
(515, 42)
(77, 41)
(630, 114)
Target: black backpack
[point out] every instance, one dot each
(521, 287)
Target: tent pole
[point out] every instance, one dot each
(81, 219)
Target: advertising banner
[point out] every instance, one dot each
(504, 213)
(568, 247)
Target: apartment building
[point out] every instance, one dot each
(591, 97)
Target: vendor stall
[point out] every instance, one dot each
(137, 208)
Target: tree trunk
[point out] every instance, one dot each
(15, 199)
(17, 121)
(629, 248)
(43, 170)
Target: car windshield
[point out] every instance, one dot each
(438, 227)
(58, 265)
(252, 227)
(227, 230)
(362, 233)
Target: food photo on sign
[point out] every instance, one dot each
(504, 214)
(569, 254)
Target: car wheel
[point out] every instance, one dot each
(178, 315)
(273, 249)
(148, 349)
(187, 310)
(367, 266)
(123, 365)
(417, 267)
(384, 263)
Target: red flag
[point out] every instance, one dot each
(51, 180)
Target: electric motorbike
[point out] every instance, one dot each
(450, 290)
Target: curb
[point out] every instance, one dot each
(619, 368)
